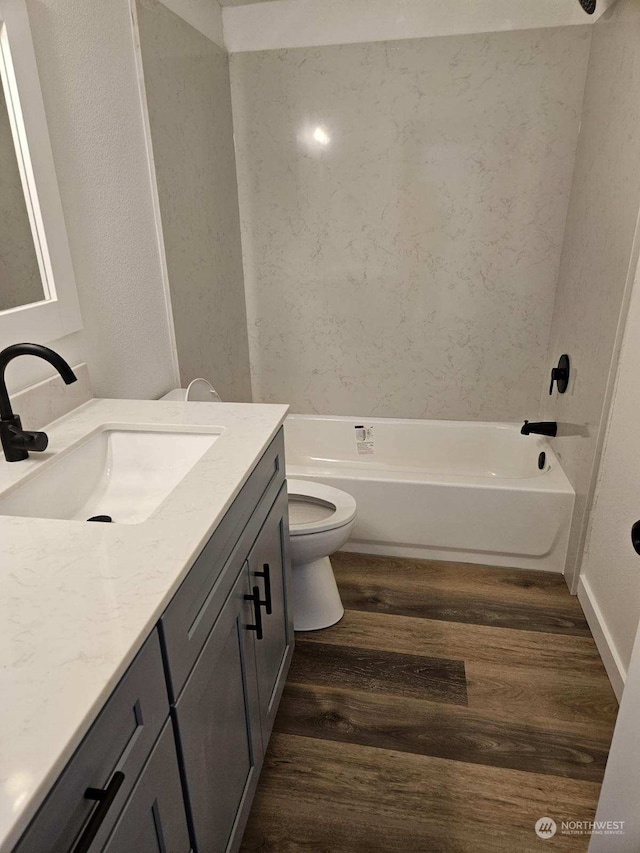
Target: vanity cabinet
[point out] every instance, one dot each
(190, 616)
(218, 725)
(224, 714)
(269, 569)
(154, 818)
(172, 762)
(111, 759)
(225, 707)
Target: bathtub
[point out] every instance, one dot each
(440, 490)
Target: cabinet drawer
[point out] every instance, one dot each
(188, 619)
(121, 739)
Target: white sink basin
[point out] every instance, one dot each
(124, 473)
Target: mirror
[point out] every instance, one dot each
(20, 277)
(38, 297)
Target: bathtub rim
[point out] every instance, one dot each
(552, 480)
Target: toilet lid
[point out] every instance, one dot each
(314, 507)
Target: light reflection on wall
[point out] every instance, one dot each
(315, 139)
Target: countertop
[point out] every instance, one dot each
(78, 600)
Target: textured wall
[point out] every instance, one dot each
(20, 281)
(403, 260)
(598, 249)
(610, 564)
(204, 15)
(88, 74)
(189, 102)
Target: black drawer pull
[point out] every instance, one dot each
(105, 797)
(266, 574)
(255, 597)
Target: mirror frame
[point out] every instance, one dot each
(58, 314)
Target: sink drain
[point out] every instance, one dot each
(105, 518)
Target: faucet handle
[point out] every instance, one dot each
(24, 439)
(38, 441)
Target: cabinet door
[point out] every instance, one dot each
(270, 570)
(218, 726)
(191, 614)
(120, 741)
(154, 818)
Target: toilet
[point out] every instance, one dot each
(320, 522)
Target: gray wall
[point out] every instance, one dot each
(189, 103)
(405, 264)
(88, 74)
(598, 252)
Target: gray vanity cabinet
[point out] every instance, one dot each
(269, 568)
(111, 759)
(218, 724)
(225, 707)
(154, 820)
(172, 761)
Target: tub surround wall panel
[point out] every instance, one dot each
(403, 260)
(189, 102)
(204, 15)
(598, 257)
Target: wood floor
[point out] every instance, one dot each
(452, 707)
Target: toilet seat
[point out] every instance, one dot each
(326, 508)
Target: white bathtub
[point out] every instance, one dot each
(442, 490)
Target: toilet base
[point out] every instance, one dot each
(316, 600)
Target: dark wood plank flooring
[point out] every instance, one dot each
(452, 707)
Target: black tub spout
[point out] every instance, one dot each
(549, 428)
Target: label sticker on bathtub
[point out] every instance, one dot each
(364, 439)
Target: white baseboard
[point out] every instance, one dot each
(608, 652)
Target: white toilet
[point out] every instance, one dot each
(320, 522)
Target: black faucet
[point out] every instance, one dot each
(549, 428)
(17, 442)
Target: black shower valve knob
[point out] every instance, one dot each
(589, 6)
(560, 375)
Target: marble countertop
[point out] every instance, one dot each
(78, 600)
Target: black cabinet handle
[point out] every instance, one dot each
(255, 597)
(266, 574)
(104, 797)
